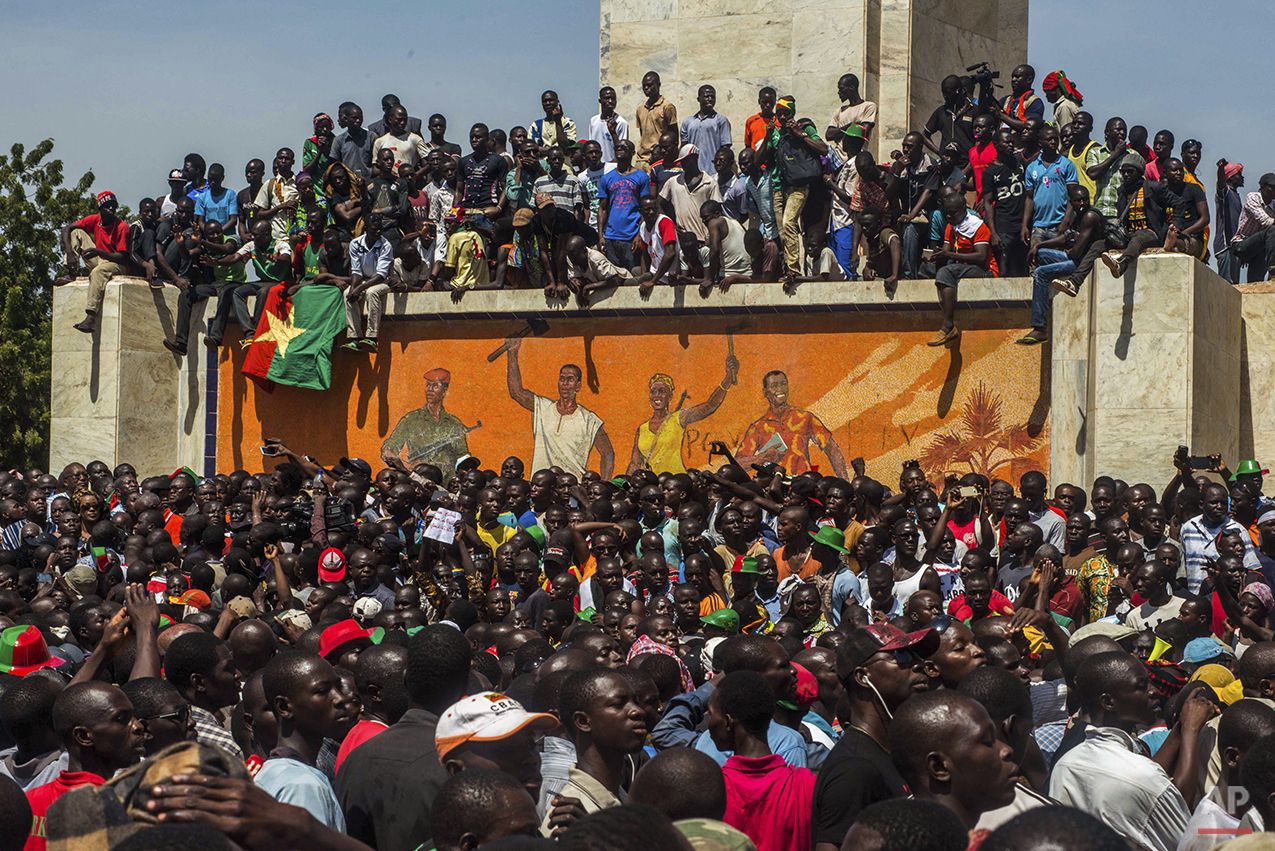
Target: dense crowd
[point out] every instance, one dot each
(328, 656)
(987, 187)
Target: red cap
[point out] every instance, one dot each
(807, 690)
(340, 633)
(331, 565)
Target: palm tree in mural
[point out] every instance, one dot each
(982, 441)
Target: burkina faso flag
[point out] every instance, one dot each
(293, 343)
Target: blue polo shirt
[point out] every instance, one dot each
(1047, 182)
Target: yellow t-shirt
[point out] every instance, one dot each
(496, 536)
(663, 449)
(465, 255)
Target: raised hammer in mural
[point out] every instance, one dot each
(730, 342)
(535, 325)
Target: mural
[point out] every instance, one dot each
(806, 391)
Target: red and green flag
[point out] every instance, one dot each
(293, 343)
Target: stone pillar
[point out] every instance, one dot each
(116, 395)
(900, 49)
(1142, 365)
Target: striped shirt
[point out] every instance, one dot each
(1199, 544)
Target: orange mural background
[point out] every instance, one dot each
(870, 378)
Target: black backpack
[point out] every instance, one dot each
(799, 165)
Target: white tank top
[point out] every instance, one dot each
(906, 588)
(735, 260)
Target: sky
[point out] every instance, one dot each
(129, 90)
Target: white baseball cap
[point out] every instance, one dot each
(486, 717)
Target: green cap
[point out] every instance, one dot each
(852, 131)
(830, 536)
(537, 533)
(586, 615)
(727, 619)
(1248, 468)
(746, 564)
(620, 482)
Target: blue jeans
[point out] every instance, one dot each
(914, 237)
(1051, 264)
(841, 241)
(620, 252)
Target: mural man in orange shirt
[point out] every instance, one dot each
(796, 428)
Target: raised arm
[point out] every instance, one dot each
(704, 409)
(513, 375)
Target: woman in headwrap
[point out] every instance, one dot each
(316, 155)
(1248, 614)
(657, 445)
(1065, 97)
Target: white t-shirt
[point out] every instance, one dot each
(600, 133)
(560, 440)
(653, 240)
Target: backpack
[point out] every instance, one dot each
(799, 165)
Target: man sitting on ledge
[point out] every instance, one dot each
(101, 241)
(966, 255)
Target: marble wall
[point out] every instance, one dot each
(119, 394)
(1257, 373)
(900, 49)
(1142, 365)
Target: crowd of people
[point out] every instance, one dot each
(988, 187)
(332, 656)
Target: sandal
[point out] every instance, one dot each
(1033, 338)
(352, 346)
(84, 325)
(367, 345)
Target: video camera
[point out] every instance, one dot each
(982, 74)
(338, 514)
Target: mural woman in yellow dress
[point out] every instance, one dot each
(657, 446)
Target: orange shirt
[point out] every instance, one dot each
(173, 526)
(808, 568)
(755, 129)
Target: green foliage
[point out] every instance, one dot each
(34, 205)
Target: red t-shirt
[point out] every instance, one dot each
(358, 734)
(114, 238)
(42, 797)
(964, 533)
(1000, 605)
(769, 800)
(980, 160)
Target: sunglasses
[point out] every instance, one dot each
(181, 715)
(941, 623)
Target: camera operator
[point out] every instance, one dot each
(1021, 103)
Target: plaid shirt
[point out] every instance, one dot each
(209, 732)
(1254, 216)
(1199, 543)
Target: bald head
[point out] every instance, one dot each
(925, 724)
(174, 632)
(252, 644)
(682, 783)
(571, 659)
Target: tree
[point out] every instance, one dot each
(982, 441)
(34, 205)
